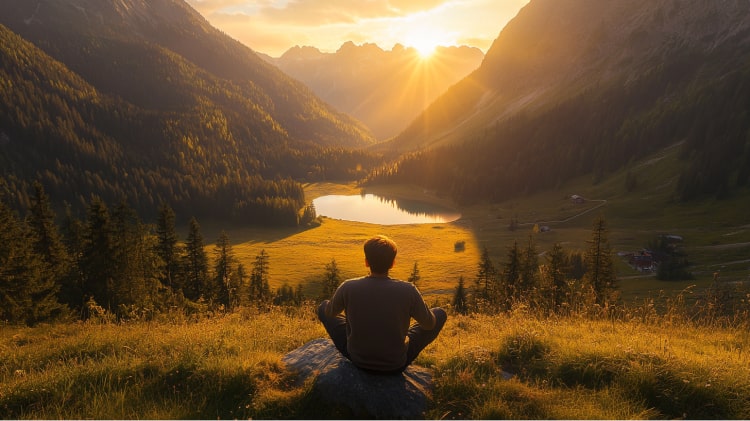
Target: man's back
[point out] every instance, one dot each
(375, 333)
(379, 310)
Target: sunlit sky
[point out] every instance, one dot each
(274, 26)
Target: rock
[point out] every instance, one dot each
(339, 387)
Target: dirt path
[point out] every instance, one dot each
(722, 246)
(601, 204)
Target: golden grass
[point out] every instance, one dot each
(575, 368)
(513, 365)
(157, 370)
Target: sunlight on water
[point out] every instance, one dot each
(374, 209)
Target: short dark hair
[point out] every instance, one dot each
(380, 252)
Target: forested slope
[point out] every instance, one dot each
(147, 103)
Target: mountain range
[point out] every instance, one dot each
(385, 90)
(575, 87)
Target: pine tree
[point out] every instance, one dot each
(46, 238)
(71, 290)
(414, 277)
(527, 280)
(600, 273)
(98, 255)
(309, 215)
(331, 279)
(136, 264)
(460, 304)
(27, 293)
(575, 264)
(512, 276)
(556, 270)
(167, 247)
(673, 261)
(195, 263)
(260, 292)
(486, 290)
(223, 285)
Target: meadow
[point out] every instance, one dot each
(516, 365)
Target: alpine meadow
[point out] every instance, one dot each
(576, 198)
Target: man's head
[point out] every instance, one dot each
(380, 252)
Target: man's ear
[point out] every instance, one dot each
(367, 264)
(392, 264)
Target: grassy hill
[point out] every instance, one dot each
(230, 367)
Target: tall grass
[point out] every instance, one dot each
(517, 365)
(580, 368)
(213, 368)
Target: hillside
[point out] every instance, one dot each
(572, 87)
(150, 52)
(383, 89)
(146, 102)
(510, 366)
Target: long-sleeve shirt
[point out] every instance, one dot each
(378, 312)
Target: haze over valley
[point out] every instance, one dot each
(385, 90)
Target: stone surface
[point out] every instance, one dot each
(342, 388)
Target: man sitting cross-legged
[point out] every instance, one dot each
(374, 332)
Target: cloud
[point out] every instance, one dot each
(209, 7)
(315, 12)
(412, 6)
(273, 26)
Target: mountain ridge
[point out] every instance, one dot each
(599, 84)
(77, 32)
(385, 89)
(533, 49)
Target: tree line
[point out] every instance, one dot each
(111, 262)
(563, 282)
(560, 282)
(112, 265)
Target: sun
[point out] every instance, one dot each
(425, 40)
(425, 47)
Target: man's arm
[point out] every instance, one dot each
(421, 313)
(336, 305)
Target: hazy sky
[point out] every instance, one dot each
(274, 26)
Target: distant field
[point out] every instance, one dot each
(716, 233)
(299, 256)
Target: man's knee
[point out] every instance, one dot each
(322, 310)
(440, 317)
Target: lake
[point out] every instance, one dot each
(380, 210)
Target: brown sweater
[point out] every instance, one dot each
(378, 312)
